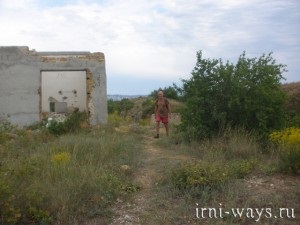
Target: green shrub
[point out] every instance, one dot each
(221, 95)
(292, 119)
(195, 175)
(241, 168)
(57, 128)
(6, 128)
(39, 216)
(70, 124)
(119, 107)
(290, 160)
(111, 106)
(115, 119)
(169, 92)
(148, 108)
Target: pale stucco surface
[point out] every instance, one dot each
(20, 82)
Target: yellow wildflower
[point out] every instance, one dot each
(61, 158)
(288, 137)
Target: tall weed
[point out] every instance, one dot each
(74, 176)
(233, 155)
(288, 143)
(70, 124)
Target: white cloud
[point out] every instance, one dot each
(156, 39)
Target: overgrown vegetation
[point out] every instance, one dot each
(292, 105)
(221, 95)
(70, 124)
(242, 128)
(120, 107)
(45, 179)
(288, 143)
(228, 171)
(223, 159)
(170, 92)
(69, 173)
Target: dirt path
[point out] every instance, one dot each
(156, 161)
(147, 177)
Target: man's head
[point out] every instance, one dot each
(160, 94)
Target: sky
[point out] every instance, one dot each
(151, 44)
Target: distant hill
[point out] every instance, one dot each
(120, 97)
(293, 92)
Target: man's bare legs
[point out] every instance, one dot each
(157, 129)
(167, 128)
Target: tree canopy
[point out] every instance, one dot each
(220, 95)
(169, 92)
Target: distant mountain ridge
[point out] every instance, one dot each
(120, 97)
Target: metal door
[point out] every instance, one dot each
(63, 90)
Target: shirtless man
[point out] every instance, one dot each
(162, 112)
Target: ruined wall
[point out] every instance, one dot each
(20, 82)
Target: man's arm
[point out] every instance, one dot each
(169, 108)
(155, 108)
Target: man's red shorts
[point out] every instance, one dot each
(161, 119)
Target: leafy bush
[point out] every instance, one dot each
(196, 175)
(125, 105)
(5, 128)
(292, 105)
(56, 127)
(148, 107)
(241, 168)
(114, 119)
(292, 118)
(111, 106)
(169, 92)
(39, 216)
(120, 107)
(222, 95)
(71, 124)
(288, 141)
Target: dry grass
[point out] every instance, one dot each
(75, 178)
(64, 180)
(258, 187)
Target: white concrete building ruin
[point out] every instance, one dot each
(34, 84)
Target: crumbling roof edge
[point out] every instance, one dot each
(62, 53)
